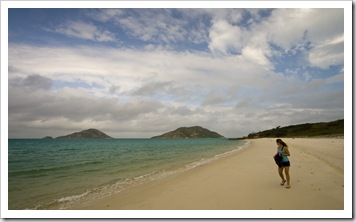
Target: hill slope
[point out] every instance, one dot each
(334, 128)
(190, 132)
(86, 134)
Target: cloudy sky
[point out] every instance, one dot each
(142, 72)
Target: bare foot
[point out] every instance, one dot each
(283, 182)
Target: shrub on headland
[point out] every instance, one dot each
(322, 129)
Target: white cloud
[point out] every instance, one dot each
(156, 25)
(105, 15)
(144, 93)
(226, 38)
(323, 28)
(232, 15)
(224, 33)
(229, 86)
(256, 54)
(285, 27)
(82, 30)
(328, 53)
(289, 29)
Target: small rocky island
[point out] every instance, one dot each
(86, 134)
(190, 132)
(47, 137)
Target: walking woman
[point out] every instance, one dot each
(283, 151)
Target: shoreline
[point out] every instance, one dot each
(120, 165)
(246, 180)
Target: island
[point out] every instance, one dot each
(190, 132)
(47, 137)
(86, 134)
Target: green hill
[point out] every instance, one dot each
(322, 129)
(86, 134)
(190, 132)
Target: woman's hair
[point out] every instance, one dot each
(281, 142)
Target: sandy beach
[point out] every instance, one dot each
(246, 180)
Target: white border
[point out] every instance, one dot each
(178, 214)
(4, 110)
(346, 213)
(176, 4)
(348, 115)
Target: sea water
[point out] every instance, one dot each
(59, 173)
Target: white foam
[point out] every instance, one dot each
(72, 198)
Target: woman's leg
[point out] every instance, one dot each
(287, 176)
(280, 171)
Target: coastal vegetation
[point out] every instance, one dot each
(321, 129)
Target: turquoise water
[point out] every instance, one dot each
(59, 173)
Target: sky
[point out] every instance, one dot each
(141, 72)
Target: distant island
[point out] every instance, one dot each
(190, 132)
(47, 137)
(86, 134)
(322, 129)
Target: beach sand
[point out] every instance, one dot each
(246, 180)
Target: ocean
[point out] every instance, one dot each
(61, 173)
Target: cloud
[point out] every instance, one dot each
(83, 30)
(226, 38)
(104, 15)
(328, 53)
(163, 26)
(224, 31)
(289, 29)
(33, 82)
(321, 28)
(233, 71)
(154, 25)
(71, 109)
(137, 93)
(257, 55)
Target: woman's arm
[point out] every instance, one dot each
(287, 151)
